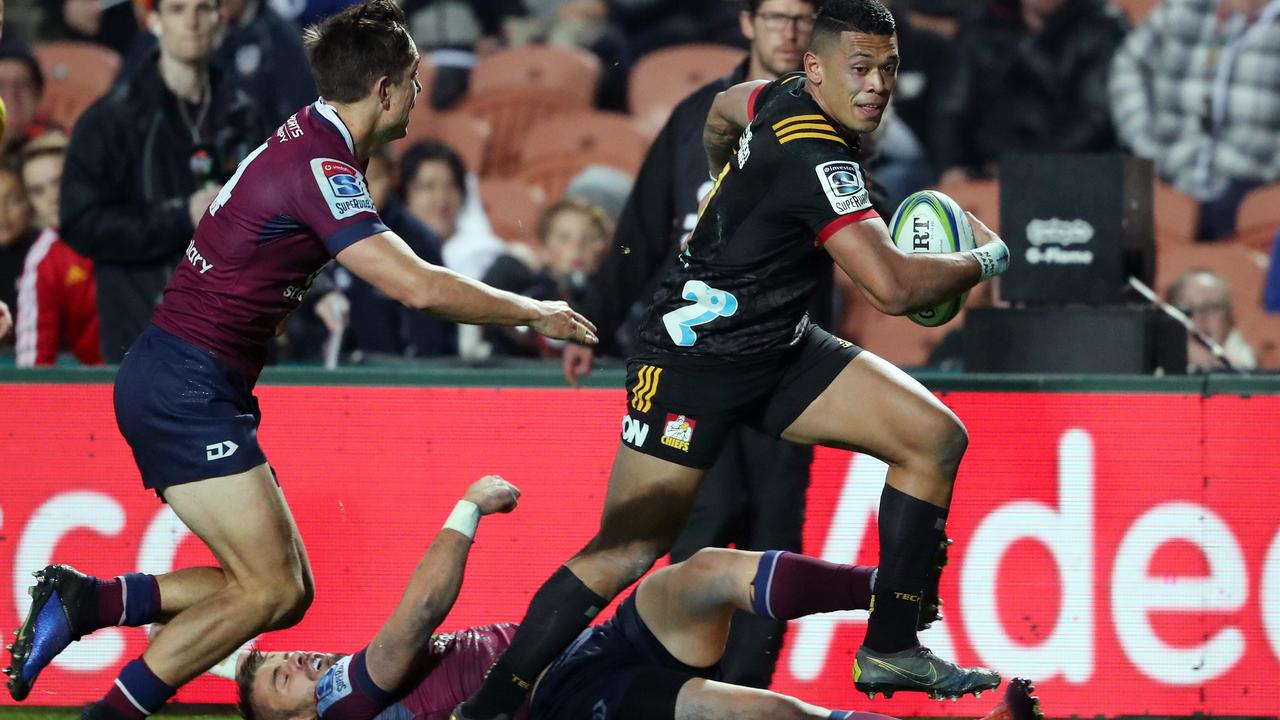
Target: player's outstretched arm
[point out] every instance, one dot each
(726, 121)
(897, 283)
(434, 586)
(387, 263)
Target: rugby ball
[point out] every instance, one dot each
(931, 222)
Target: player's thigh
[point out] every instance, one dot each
(245, 522)
(647, 501)
(688, 606)
(701, 699)
(872, 406)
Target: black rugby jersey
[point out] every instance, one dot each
(742, 285)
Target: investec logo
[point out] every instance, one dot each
(1051, 241)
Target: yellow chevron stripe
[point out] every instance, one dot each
(790, 79)
(642, 379)
(795, 119)
(807, 126)
(814, 135)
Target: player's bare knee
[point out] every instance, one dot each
(936, 443)
(779, 707)
(707, 566)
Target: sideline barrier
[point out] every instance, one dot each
(1117, 539)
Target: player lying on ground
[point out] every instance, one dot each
(728, 342)
(656, 659)
(184, 393)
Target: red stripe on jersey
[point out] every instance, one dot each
(842, 222)
(751, 102)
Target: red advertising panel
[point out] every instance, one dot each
(1122, 550)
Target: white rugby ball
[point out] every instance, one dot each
(931, 222)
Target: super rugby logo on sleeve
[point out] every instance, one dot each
(335, 685)
(343, 188)
(842, 181)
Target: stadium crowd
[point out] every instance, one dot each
(125, 120)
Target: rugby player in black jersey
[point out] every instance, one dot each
(727, 341)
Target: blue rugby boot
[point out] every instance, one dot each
(62, 607)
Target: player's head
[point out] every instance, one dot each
(188, 30)
(365, 55)
(779, 31)
(281, 685)
(852, 63)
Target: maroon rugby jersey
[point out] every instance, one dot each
(294, 203)
(458, 664)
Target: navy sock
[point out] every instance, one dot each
(854, 715)
(137, 692)
(130, 600)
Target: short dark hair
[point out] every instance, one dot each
(21, 52)
(244, 684)
(351, 49)
(430, 151)
(841, 16)
(595, 215)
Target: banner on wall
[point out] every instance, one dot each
(1121, 550)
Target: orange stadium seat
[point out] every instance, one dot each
(1176, 215)
(570, 70)
(1245, 270)
(586, 133)
(661, 79)
(510, 112)
(467, 135)
(552, 174)
(980, 197)
(75, 74)
(1137, 10)
(1260, 211)
(514, 208)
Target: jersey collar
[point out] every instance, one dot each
(325, 111)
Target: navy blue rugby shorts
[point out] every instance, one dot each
(185, 413)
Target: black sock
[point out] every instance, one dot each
(559, 611)
(910, 530)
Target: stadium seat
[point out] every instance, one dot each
(467, 135)
(1137, 10)
(1245, 271)
(980, 197)
(75, 74)
(1176, 215)
(1260, 211)
(586, 133)
(552, 174)
(661, 79)
(514, 208)
(510, 112)
(570, 70)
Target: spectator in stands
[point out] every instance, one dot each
(261, 51)
(601, 185)
(6, 321)
(1196, 89)
(111, 24)
(145, 162)
(434, 185)
(22, 87)
(573, 236)
(1204, 296)
(57, 301)
(376, 324)
(1030, 76)
(585, 24)
(16, 235)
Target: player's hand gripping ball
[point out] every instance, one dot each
(931, 222)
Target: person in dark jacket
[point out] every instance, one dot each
(753, 497)
(1030, 76)
(146, 160)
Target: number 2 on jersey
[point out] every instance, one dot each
(708, 304)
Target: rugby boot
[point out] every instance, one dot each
(930, 603)
(62, 602)
(1018, 703)
(917, 669)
